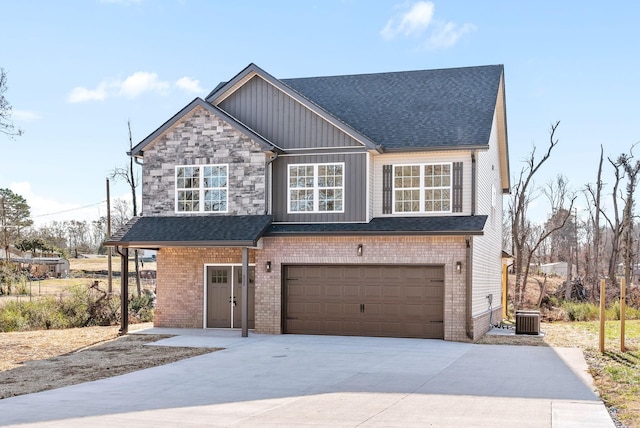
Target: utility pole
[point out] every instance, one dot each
(109, 267)
(575, 223)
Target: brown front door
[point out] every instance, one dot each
(383, 300)
(224, 297)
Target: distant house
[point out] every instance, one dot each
(347, 205)
(52, 265)
(557, 268)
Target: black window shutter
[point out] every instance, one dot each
(456, 196)
(387, 189)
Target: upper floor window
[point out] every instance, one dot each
(424, 188)
(316, 187)
(202, 188)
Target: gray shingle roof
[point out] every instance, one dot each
(443, 225)
(244, 231)
(192, 231)
(411, 109)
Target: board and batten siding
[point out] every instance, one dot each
(378, 162)
(355, 188)
(281, 119)
(487, 249)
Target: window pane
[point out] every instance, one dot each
(188, 177)
(215, 176)
(301, 200)
(330, 200)
(215, 200)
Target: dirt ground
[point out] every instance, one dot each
(40, 360)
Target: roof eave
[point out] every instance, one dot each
(378, 233)
(437, 148)
(138, 150)
(178, 244)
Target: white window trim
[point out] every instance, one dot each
(200, 188)
(316, 189)
(422, 189)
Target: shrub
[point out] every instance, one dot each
(581, 311)
(32, 315)
(142, 306)
(82, 306)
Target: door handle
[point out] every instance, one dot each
(362, 307)
(232, 301)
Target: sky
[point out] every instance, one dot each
(79, 70)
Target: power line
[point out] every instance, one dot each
(69, 210)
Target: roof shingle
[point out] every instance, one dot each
(411, 109)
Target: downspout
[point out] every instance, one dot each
(268, 177)
(124, 289)
(473, 182)
(468, 280)
(469, 254)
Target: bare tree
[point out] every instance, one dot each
(128, 174)
(556, 191)
(6, 125)
(631, 171)
(594, 214)
(524, 249)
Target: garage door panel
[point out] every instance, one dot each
(333, 290)
(350, 290)
(383, 300)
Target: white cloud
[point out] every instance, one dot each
(80, 94)
(25, 116)
(418, 18)
(410, 23)
(445, 35)
(142, 81)
(132, 86)
(188, 84)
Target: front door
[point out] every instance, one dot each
(224, 296)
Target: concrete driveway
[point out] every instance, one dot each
(295, 380)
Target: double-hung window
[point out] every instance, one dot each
(422, 188)
(316, 188)
(202, 188)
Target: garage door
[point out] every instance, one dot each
(389, 301)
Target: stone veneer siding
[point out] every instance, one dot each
(202, 138)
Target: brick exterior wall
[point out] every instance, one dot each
(202, 138)
(180, 283)
(342, 250)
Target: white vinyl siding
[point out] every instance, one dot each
(487, 249)
(419, 158)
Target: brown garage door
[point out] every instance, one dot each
(390, 301)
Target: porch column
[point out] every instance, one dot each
(245, 292)
(124, 289)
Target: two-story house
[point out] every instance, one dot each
(348, 205)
